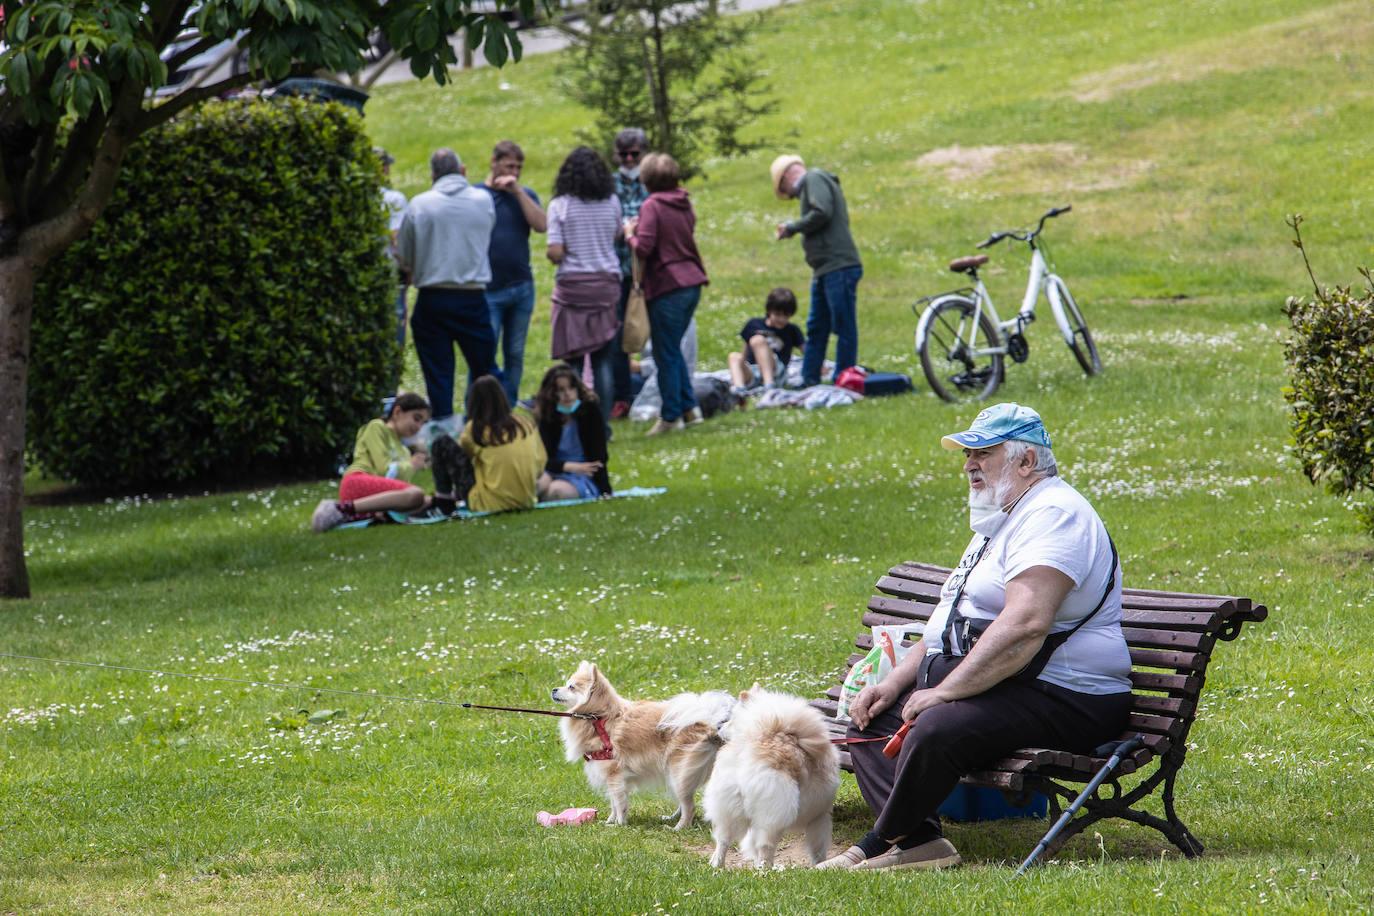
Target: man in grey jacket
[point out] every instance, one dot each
(833, 258)
(443, 243)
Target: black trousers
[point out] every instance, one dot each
(453, 470)
(950, 740)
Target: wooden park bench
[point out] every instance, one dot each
(1171, 636)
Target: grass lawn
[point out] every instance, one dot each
(1181, 134)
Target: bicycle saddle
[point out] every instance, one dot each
(969, 264)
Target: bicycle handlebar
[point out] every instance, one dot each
(1028, 235)
(1053, 212)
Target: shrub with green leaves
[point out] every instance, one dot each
(1331, 356)
(232, 312)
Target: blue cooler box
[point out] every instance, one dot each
(968, 803)
(877, 384)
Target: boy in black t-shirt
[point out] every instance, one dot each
(768, 344)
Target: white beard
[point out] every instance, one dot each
(985, 505)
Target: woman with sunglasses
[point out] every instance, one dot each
(631, 144)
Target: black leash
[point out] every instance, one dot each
(278, 686)
(536, 712)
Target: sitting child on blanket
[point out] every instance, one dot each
(768, 344)
(379, 477)
(574, 438)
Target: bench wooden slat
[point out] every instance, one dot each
(1199, 621)
(1141, 638)
(1162, 706)
(927, 592)
(900, 607)
(1176, 685)
(1171, 726)
(1162, 658)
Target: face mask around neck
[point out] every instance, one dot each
(569, 408)
(629, 172)
(988, 518)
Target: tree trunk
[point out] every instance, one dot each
(17, 277)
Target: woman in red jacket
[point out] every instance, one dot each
(662, 235)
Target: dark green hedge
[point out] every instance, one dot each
(231, 313)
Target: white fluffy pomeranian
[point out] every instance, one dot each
(646, 743)
(777, 772)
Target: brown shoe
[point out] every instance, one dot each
(938, 853)
(850, 858)
(693, 417)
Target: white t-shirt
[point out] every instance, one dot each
(586, 229)
(1051, 526)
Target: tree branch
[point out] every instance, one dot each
(43, 240)
(48, 191)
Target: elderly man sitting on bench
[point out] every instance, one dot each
(1024, 649)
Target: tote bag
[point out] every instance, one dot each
(636, 330)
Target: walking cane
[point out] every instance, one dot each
(1128, 746)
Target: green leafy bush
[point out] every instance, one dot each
(1331, 356)
(230, 314)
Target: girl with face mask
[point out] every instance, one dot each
(574, 436)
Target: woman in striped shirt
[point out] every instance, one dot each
(584, 221)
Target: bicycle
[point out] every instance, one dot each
(962, 342)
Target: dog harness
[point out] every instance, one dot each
(607, 752)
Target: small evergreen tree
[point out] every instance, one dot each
(680, 70)
(1331, 356)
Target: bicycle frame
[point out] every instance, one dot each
(1036, 283)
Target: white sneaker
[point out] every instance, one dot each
(663, 426)
(693, 417)
(847, 860)
(327, 515)
(938, 853)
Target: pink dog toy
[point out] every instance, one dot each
(566, 816)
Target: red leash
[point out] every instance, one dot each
(607, 751)
(894, 741)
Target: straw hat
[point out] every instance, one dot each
(779, 169)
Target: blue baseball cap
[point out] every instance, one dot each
(998, 424)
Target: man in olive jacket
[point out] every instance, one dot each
(833, 258)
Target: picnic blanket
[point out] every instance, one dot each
(464, 512)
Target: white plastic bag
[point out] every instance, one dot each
(887, 651)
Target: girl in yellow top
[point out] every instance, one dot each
(379, 477)
(506, 451)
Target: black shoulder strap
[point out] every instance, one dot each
(1058, 639)
(954, 617)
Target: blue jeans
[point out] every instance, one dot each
(669, 316)
(602, 379)
(401, 314)
(834, 306)
(442, 318)
(511, 308)
(620, 360)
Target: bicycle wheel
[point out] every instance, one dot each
(1073, 326)
(954, 354)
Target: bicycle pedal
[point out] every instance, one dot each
(1017, 348)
